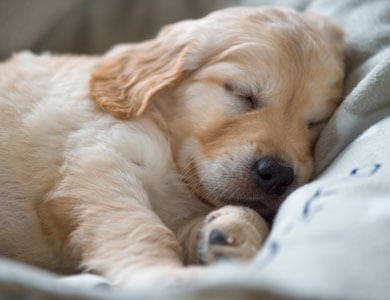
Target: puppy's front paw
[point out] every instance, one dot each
(231, 232)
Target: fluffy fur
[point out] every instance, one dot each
(137, 162)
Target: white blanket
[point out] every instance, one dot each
(331, 237)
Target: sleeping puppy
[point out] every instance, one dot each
(164, 153)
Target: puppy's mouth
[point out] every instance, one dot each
(233, 188)
(264, 204)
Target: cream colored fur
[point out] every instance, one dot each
(133, 198)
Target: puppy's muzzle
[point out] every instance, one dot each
(273, 175)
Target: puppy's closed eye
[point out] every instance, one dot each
(244, 94)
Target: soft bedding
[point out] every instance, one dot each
(330, 238)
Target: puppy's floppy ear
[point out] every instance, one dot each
(125, 82)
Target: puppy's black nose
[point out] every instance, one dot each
(273, 175)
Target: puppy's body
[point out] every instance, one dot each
(120, 197)
(52, 128)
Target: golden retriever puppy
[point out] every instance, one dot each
(164, 153)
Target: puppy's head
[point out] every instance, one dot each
(244, 92)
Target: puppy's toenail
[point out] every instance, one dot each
(218, 238)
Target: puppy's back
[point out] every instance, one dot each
(42, 101)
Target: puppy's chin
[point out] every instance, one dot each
(265, 205)
(266, 211)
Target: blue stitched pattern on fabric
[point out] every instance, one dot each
(365, 171)
(311, 207)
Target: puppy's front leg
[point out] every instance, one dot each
(228, 232)
(188, 236)
(104, 214)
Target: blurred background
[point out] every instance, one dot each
(93, 26)
(89, 26)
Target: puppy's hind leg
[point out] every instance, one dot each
(104, 215)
